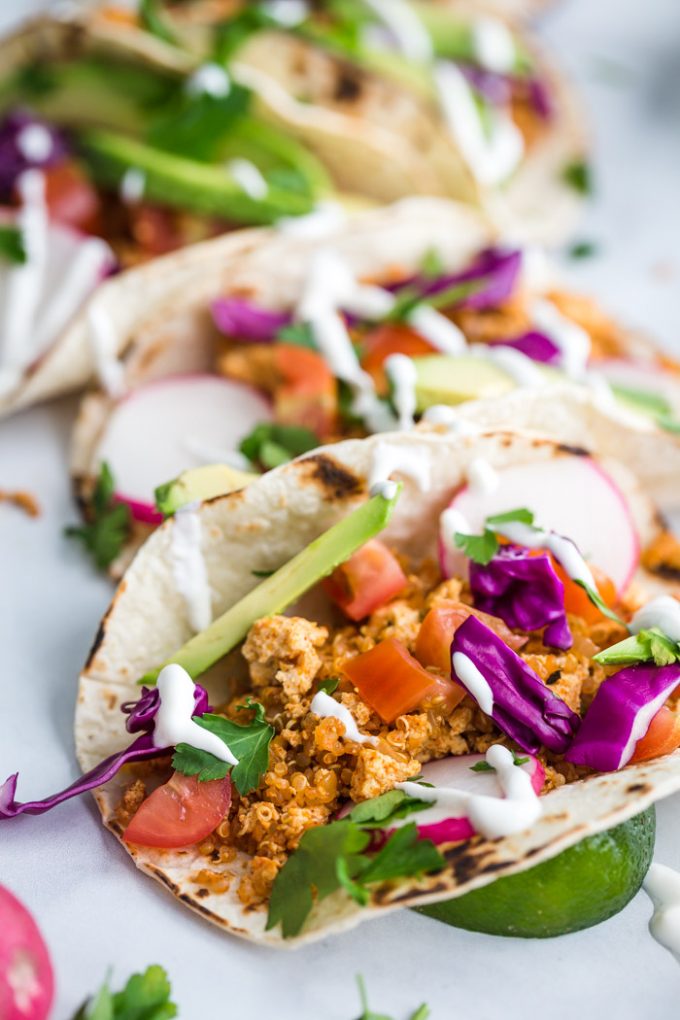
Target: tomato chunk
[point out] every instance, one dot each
(181, 812)
(392, 682)
(366, 581)
(390, 338)
(575, 599)
(433, 644)
(662, 737)
(71, 198)
(307, 393)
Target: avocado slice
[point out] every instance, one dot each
(200, 483)
(284, 587)
(192, 186)
(451, 379)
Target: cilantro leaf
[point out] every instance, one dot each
(479, 548)
(519, 516)
(583, 250)
(647, 646)
(152, 20)
(329, 685)
(194, 125)
(249, 743)
(108, 526)
(597, 600)
(262, 573)
(483, 766)
(191, 761)
(578, 176)
(234, 31)
(431, 264)
(404, 854)
(422, 1013)
(383, 809)
(299, 333)
(12, 248)
(270, 444)
(145, 997)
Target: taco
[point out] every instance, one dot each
(403, 97)
(250, 360)
(110, 154)
(462, 698)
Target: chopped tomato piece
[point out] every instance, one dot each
(390, 338)
(156, 229)
(118, 16)
(307, 393)
(662, 737)
(367, 580)
(433, 644)
(181, 812)
(577, 602)
(71, 198)
(392, 682)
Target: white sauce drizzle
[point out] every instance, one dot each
(288, 13)
(389, 459)
(473, 681)
(174, 723)
(207, 454)
(482, 477)
(188, 566)
(132, 185)
(493, 44)
(325, 219)
(388, 490)
(440, 331)
(401, 372)
(521, 369)
(248, 177)
(104, 346)
(447, 416)
(662, 885)
(35, 143)
(490, 159)
(409, 33)
(563, 549)
(493, 817)
(662, 612)
(210, 80)
(82, 276)
(642, 722)
(572, 340)
(327, 707)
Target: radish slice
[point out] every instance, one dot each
(26, 977)
(165, 427)
(570, 495)
(642, 376)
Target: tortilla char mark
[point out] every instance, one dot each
(335, 481)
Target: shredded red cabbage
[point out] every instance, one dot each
(620, 715)
(524, 591)
(141, 715)
(536, 346)
(523, 707)
(497, 273)
(15, 158)
(500, 89)
(244, 321)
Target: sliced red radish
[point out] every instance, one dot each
(26, 977)
(642, 377)
(571, 495)
(161, 429)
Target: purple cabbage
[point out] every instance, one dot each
(524, 591)
(499, 89)
(13, 160)
(141, 716)
(523, 707)
(620, 714)
(496, 271)
(536, 346)
(240, 319)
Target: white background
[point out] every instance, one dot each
(95, 911)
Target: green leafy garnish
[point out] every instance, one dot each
(330, 685)
(299, 333)
(599, 602)
(483, 766)
(334, 856)
(519, 516)
(479, 548)
(108, 524)
(432, 264)
(153, 21)
(248, 743)
(262, 573)
(422, 1013)
(12, 248)
(646, 401)
(647, 646)
(386, 808)
(271, 445)
(234, 31)
(583, 250)
(145, 997)
(578, 176)
(194, 125)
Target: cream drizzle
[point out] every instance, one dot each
(473, 681)
(327, 707)
(389, 459)
(401, 372)
(440, 331)
(662, 885)
(188, 566)
(209, 79)
(174, 724)
(493, 817)
(82, 275)
(446, 416)
(408, 31)
(132, 185)
(662, 612)
(563, 549)
(522, 370)
(35, 143)
(207, 454)
(287, 13)
(572, 340)
(104, 347)
(248, 177)
(322, 221)
(386, 489)
(493, 45)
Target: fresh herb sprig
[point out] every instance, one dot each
(482, 548)
(646, 646)
(422, 1013)
(145, 997)
(483, 766)
(108, 526)
(12, 247)
(270, 445)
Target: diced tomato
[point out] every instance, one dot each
(118, 16)
(433, 644)
(369, 578)
(577, 602)
(662, 737)
(390, 338)
(71, 198)
(156, 230)
(392, 682)
(307, 394)
(181, 812)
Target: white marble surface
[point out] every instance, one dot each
(95, 911)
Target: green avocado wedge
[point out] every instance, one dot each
(579, 888)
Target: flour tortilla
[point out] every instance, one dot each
(261, 528)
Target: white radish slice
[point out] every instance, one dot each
(161, 429)
(571, 495)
